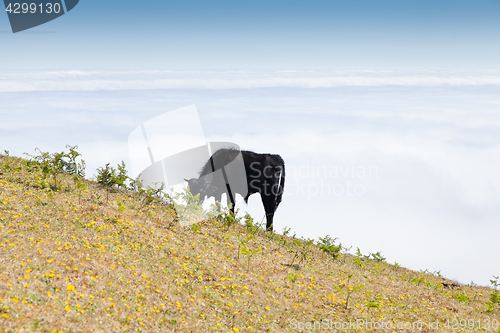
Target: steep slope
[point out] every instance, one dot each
(77, 258)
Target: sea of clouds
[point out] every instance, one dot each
(399, 161)
(75, 80)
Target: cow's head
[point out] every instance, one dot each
(201, 187)
(194, 186)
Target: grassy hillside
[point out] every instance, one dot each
(73, 259)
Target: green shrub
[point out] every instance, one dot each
(327, 244)
(51, 165)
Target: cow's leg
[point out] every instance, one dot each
(268, 201)
(229, 202)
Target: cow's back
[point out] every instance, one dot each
(261, 169)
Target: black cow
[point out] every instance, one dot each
(263, 173)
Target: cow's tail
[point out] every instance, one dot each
(281, 186)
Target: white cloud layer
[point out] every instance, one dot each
(321, 78)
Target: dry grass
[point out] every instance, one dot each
(71, 263)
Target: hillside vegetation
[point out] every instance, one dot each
(82, 256)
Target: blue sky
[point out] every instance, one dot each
(410, 87)
(275, 33)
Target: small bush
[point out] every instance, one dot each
(53, 164)
(327, 244)
(494, 295)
